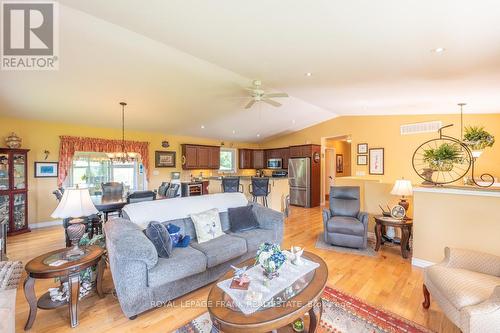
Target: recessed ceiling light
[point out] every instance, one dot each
(308, 74)
(202, 126)
(258, 135)
(234, 132)
(293, 121)
(439, 50)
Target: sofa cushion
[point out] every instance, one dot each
(221, 249)
(242, 218)
(345, 225)
(462, 287)
(158, 235)
(183, 262)
(207, 225)
(255, 237)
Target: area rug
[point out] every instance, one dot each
(368, 252)
(342, 313)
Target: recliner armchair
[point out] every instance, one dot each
(343, 223)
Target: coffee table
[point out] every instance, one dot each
(279, 312)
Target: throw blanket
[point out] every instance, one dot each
(141, 213)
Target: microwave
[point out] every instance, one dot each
(274, 163)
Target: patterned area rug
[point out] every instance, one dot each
(341, 314)
(368, 252)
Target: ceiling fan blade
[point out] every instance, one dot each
(273, 95)
(271, 102)
(250, 104)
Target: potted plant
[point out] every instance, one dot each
(443, 157)
(270, 258)
(477, 139)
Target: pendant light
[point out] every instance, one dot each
(123, 156)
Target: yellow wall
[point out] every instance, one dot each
(383, 131)
(454, 220)
(39, 136)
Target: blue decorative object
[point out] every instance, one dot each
(270, 258)
(177, 238)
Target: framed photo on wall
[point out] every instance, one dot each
(362, 148)
(46, 169)
(164, 159)
(339, 158)
(376, 160)
(362, 160)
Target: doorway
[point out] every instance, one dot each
(337, 152)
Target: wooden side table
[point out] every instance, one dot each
(405, 225)
(39, 268)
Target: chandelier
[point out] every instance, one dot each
(123, 156)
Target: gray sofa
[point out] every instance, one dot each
(343, 223)
(144, 281)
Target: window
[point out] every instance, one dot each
(227, 160)
(93, 169)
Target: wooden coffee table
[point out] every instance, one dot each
(39, 268)
(269, 318)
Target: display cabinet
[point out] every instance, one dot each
(14, 190)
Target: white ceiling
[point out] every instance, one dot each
(181, 63)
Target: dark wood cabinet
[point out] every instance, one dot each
(301, 151)
(200, 157)
(245, 158)
(14, 190)
(259, 161)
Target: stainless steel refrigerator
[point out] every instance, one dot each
(299, 173)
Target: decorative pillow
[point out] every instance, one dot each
(158, 235)
(207, 225)
(178, 239)
(242, 218)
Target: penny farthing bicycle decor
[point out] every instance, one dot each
(445, 160)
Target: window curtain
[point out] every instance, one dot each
(71, 144)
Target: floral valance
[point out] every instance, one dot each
(71, 144)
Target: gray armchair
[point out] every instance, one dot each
(343, 223)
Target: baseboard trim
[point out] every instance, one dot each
(421, 263)
(45, 224)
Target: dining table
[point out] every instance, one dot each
(108, 203)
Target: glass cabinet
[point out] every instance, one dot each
(14, 190)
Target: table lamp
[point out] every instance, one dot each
(403, 188)
(75, 204)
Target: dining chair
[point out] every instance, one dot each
(162, 190)
(140, 196)
(112, 188)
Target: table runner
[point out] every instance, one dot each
(289, 273)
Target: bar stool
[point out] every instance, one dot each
(259, 188)
(231, 184)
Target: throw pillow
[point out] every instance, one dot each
(242, 218)
(207, 225)
(158, 235)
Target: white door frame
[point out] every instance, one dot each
(328, 167)
(323, 161)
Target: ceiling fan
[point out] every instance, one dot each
(259, 95)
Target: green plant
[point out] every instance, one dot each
(443, 157)
(477, 138)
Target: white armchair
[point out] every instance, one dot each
(466, 286)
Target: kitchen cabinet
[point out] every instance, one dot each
(245, 159)
(301, 151)
(259, 161)
(200, 157)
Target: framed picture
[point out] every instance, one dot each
(376, 156)
(362, 160)
(164, 159)
(362, 148)
(46, 169)
(340, 163)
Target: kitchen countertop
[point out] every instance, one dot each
(245, 177)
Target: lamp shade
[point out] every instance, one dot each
(76, 202)
(402, 187)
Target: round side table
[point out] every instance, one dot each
(42, 267)
(406, 230)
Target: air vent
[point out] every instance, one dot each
(427, 127)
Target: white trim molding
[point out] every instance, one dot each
(459, 190)
(45, 224)
(421, 263)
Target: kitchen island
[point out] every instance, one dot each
(276, 199)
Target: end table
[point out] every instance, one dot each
(406, 230)
(40, 268)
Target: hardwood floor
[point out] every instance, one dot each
(387, 280)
